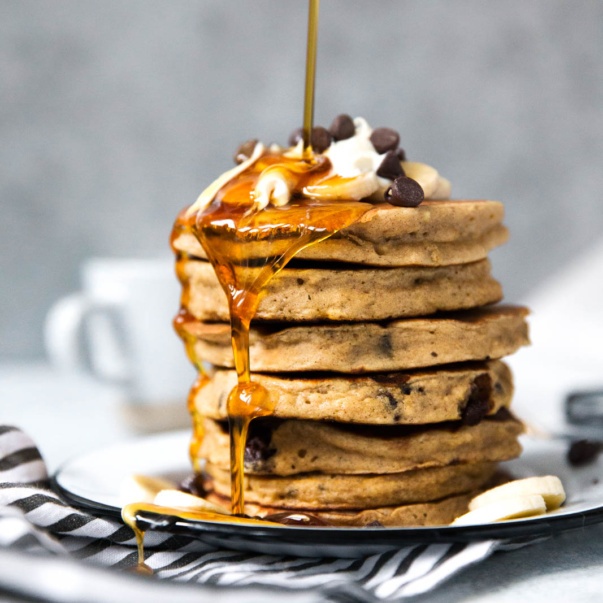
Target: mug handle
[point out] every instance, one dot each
(67, 345)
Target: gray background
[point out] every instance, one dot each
(115, 114)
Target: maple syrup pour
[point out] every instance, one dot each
(313, 9)
(130, 512)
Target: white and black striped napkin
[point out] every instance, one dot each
(33, 518)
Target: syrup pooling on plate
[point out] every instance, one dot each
(234, 231)
(131, 512)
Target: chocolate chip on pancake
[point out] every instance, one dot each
(342, 127)
(320, 139)
(296, 136)
(405, 192)
(245, 151)
(385, 139)
(477, 405)
(390, 167)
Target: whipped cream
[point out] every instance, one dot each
(353, 175)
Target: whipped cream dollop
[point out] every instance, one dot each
(357, 157)
(353, 175)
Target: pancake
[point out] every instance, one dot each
(436, 513)
(334, 491)
(436, 233)
(461, 392)
(484, 333)
(350, 294)
(292, 447)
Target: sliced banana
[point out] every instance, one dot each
(547, 486)
(188, 502)
(443, 189)
(424, 174)
(142, 488)
(273, 186)
(504, 509)
(337, 188)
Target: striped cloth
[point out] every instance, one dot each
(33, 518)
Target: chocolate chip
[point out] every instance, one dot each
(401, 153)
(321, 138)
(583, 452)
(296, 136)
(257, 451)
(390, 167)
(405, 192)
(385, 139)
(245, 151)
(258, 448)
(478, 402)
(374, 524)
(385, 345)
(342, 127)
(391, 399)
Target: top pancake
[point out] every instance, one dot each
(436, 233)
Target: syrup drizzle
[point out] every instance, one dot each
(233, 235)
(313, 10)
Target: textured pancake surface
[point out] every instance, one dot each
(290, 447)
(491, 332)
(434, 513)
(436, 233)
(334, 491)
(351, 294)
(414, 397)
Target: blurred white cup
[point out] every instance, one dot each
(119, 329)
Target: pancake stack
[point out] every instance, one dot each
(381, 348)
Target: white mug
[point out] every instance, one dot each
(119, 328)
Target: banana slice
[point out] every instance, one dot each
(142, 488)
(443, 189)
(337, 188)
(547, 486)
(504, 509)
(273, 186)
(424, 174)
(188, 502)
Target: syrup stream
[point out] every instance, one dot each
(313, 9)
